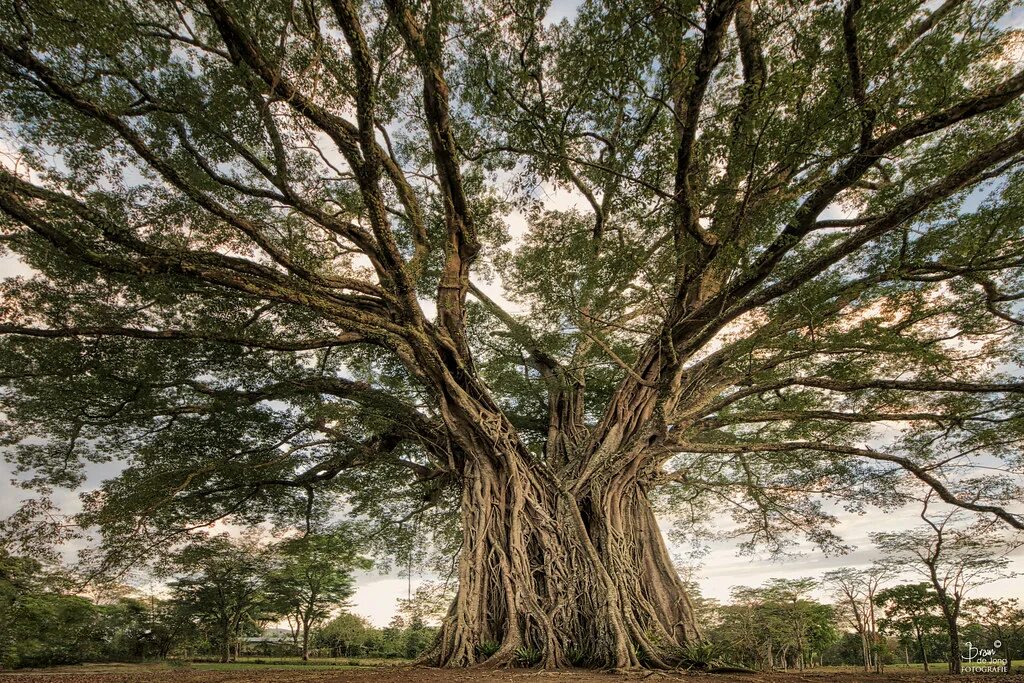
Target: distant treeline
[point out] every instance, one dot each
(227, 606)
(222, 597)
(871, 623)
(43, 625)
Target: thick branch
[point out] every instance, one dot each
(688, 107)
(857, 80)
(191, 335)
(244, 49)
(803, 221)
(462, 244)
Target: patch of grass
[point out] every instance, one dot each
(296, 663)
(249, 666)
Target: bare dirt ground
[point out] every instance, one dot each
(129, 673)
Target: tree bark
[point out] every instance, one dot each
(554, 577)
(954, 645)
(225, 645)
(924, 652)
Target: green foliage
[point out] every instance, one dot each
(222, 582)
(487, 648)
(39, 624)
(313, 577)
(996, 619)
(348, 635)
(345, 635)
(704, 655)
(577, 655)
(42, 624)
(773, 622)
(428, 603)
(911, 612)
(527, 656)
(418, 638)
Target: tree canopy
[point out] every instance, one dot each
(285, 257)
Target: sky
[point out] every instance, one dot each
(722, 567)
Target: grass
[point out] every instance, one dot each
(243, 664)
(1017, 666)
(292, 663)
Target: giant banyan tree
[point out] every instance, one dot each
(515, 278)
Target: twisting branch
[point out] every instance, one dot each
(964, 176)
(20, 200)
(543, 360)
(804, 416)
(189, 335)
(391, 265)
(857, 81)
(909, 385)
(741, 151)
(804, 219)
(688, 106)
(462, 245)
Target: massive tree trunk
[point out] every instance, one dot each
(557, 577)
(562, 561)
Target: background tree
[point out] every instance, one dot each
(314, 578)
(127, 628)
(346, 635)
(954, 557)
(847, 650)
(222, 582)
(775, 624)
(798, 617)
(856, 590)
(257, 238)
(41, 624)
(428, 603)
(1003, 621)
(911, 612)
(740, 630)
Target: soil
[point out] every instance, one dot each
(394, 674)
